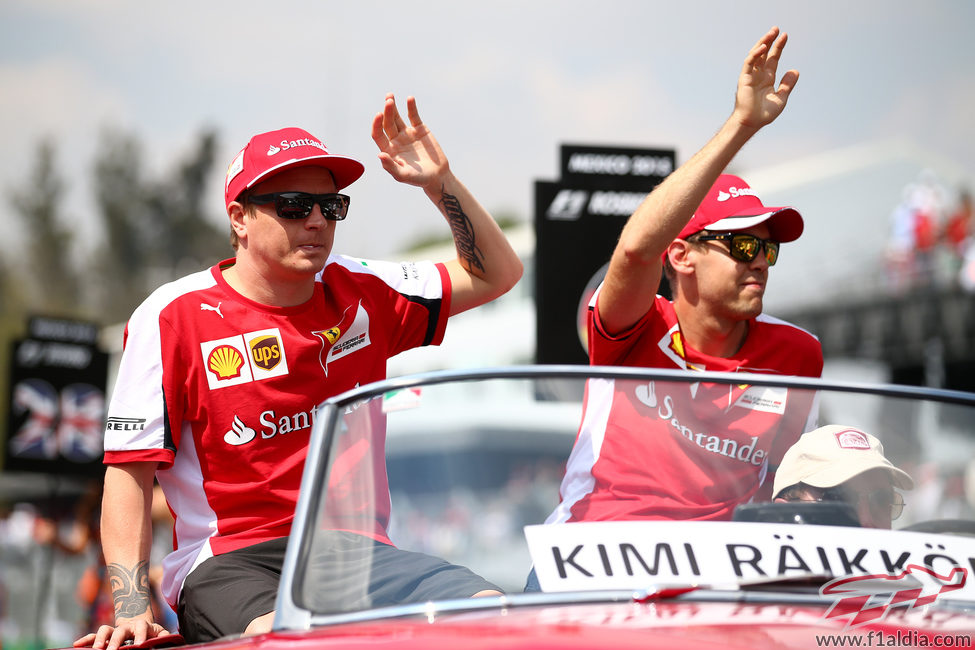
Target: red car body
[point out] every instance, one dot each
(473, 461)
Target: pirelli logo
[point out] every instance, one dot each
(125, 424)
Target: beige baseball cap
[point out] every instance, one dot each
(830, 455)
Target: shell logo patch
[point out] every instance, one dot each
(252, 356)
(225, 362)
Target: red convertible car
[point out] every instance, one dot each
(467, 466)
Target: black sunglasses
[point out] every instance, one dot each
(744, 247)
(298, 205)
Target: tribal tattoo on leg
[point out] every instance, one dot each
(130, 589)
(460, 226)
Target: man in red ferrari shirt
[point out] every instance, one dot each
(223, 370)
(694, 451)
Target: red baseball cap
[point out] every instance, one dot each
(731, 204)
(269, 153)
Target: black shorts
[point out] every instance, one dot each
(226, 592)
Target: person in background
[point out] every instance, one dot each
(82, 537)
(959, 235)
(844, 464)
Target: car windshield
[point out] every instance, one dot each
(468, 468)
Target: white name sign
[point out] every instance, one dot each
(645, 554)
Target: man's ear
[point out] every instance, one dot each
(238, 218)
(679, 253)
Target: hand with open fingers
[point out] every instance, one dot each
(758, 100)
(136, 630)
(409, 153)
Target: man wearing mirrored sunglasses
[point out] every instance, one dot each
(843, 464)
(223, 370)
(717, 241)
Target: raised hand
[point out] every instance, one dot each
(758, 100)
(409, 153)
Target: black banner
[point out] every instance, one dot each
(578, 220)
(615, 168)
(58, 379)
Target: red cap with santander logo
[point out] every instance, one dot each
(269, 153)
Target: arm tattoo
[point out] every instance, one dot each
(130, 589)
(460, 226)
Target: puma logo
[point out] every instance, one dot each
(206, 307)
